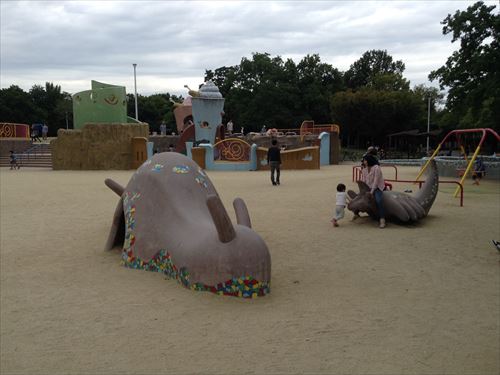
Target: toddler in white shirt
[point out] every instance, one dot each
(341, 202)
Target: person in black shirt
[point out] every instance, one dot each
(274, 161)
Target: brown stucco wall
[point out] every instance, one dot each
(96, 146)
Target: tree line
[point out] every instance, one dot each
(369, 101)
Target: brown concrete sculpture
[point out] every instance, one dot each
(170, 219)
(398, 206)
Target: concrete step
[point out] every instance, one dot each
(44, 161)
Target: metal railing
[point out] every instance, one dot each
(356, 171)
(356, 176)
(34, 152)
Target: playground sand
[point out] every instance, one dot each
(419, 299)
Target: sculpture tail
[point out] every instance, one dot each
(115, 186)
(426, 196)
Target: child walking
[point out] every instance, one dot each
(13, 161)
(341, 202)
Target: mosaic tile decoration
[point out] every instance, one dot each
(244, 286)
(181, 169)
(129, 211)
(201, 181)
(157, 167)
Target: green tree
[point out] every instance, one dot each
(266, 90)
(368, 69)
(16, 106)
(52, 106)
(423, 94)
(369, 115)
(471, 73)
(317, 82)
(261, 90)
(154, 109)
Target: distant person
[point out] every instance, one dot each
(340, 203)
(375, 181)
(242, 130)
(13, 161)
(479, 170)
(45, 130)
(163, 129)
(274, 161)
(230, 127)
(363, 177)
(34, 133)
(371, 151)
(39, 128)
(171, 147)
(263, 130)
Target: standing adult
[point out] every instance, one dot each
(45, 130)
(163, 128)
(274, 161)
(375, 181)
(230, 127)
(34, 133)
(39, 128)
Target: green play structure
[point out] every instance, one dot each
(104, 103)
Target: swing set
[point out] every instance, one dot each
(458, 134)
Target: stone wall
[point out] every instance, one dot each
(96, 146)
(161, 143)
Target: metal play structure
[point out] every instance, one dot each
(457, 134)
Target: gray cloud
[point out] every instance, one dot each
(173, 43)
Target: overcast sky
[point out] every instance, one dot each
(70, 43)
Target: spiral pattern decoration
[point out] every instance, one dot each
(232, 149)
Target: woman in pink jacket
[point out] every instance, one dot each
(375, 181)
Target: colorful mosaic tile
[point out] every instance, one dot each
(245, 286)
(157, 167)
(129, 211)
(181, 169)
(201, 181)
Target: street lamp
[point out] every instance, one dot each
(428, 121)
(135, 94)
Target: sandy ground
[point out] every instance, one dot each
(420, 299)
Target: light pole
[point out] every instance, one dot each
(135, 94)
(428, 121)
